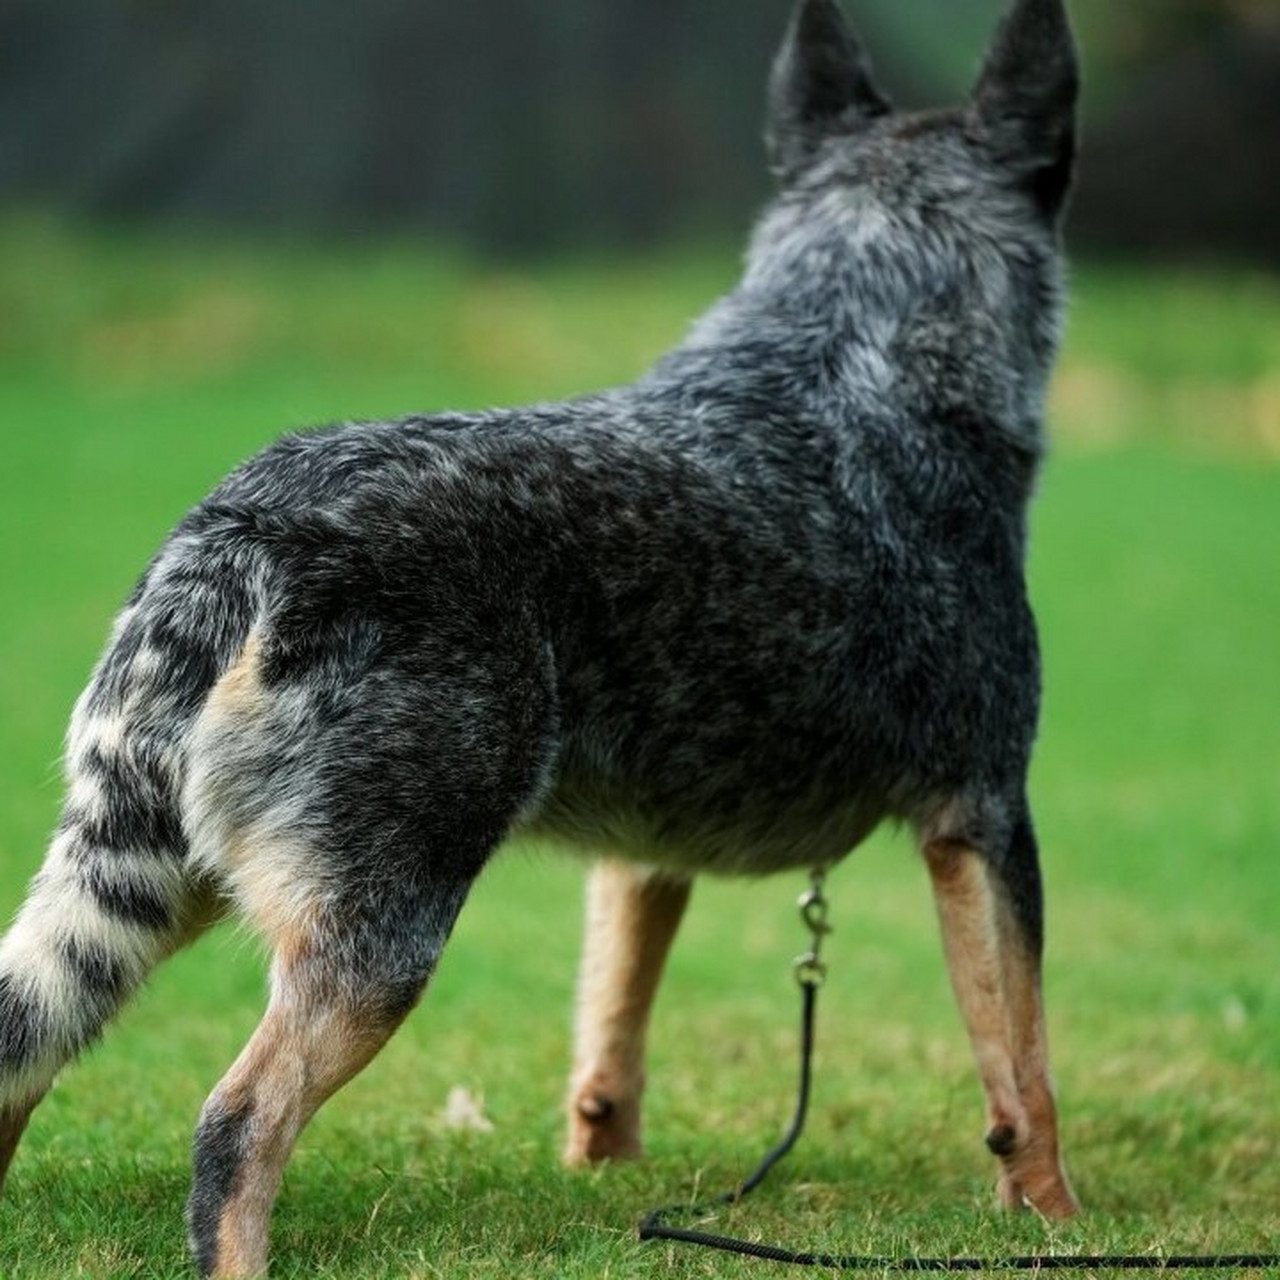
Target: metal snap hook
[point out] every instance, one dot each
(809, 967)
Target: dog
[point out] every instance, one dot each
(727, 619)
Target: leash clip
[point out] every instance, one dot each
(810, 969)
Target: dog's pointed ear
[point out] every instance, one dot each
(1024, 103)
(820, 85)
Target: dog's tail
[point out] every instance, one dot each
(116, 893)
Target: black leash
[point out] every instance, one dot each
(810, 972)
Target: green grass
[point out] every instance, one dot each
(134, 372)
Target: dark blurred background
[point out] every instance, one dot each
(526, 126)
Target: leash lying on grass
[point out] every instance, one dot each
(810, 972)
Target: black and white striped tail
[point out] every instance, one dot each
(115, 893)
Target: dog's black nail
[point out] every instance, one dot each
(1002, 1140)
(595, 1108)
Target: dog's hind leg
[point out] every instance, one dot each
(345, 806)
(632, 917)
(989, 903)
(342, 981)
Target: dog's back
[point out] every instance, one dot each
(778, 583)
(729, 617)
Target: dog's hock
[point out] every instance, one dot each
(821, 85)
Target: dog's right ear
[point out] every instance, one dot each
(821, 85)
(1024, 103)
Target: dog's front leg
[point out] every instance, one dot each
(632, 917)
(990, 905)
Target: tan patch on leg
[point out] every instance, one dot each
(997, 986)
(1033, 1172)
(262, 865)
(971, 941)
(273, 881)
(239, 692)
(632, 917)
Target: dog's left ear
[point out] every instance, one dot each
(1024, 104)
(821, 85)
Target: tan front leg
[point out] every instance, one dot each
(632, 917)
(995, 972)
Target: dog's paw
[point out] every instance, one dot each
(1052, 1197)
(1055, 1202)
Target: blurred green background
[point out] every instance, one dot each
(224, 221)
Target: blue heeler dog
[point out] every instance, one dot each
(727, 619)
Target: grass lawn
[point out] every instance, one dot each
(134, 372)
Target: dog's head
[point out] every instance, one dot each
(945, 212)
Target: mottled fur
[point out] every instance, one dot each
(728, 618)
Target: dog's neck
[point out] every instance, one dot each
(834, 319)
